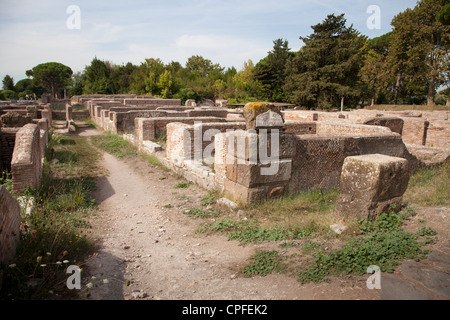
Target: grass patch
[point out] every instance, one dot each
(430, 187)
(382, 243)
(198, 213)
(183, 184)
(115, 145)
(247, 231)
(154, 161)
(209, 199)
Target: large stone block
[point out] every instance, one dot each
(371, 184)
(251, 175)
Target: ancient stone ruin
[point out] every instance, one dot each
(252, 153)
(234, 150)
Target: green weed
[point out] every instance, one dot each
(183, 184)
(383, 243)
(264, 263)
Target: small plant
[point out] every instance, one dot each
(6, 181)
(183, 184)
(198, 213)
(209, 199)
(264, 263)
(288, 244)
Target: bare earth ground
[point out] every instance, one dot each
(150, 252)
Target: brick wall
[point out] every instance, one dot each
(9, 226)
(26, 164)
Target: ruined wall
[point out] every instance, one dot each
(9, 226)
(153, 102)
(318, 159)
(153, 128)
(26, 164)
(7, 143)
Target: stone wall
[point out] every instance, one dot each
(26, 164)
(154, 128)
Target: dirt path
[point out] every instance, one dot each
(149, 250)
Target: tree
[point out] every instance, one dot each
(153, 69)
(121, 78)
(97, 78)
(270, 71)
(53, 76)
(419, 48)
(326, 69)
(8, 83)
(166, 84)
(203, 68)
(375, 73)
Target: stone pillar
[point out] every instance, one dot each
(26, 164)
(259, 160)
(371, 184)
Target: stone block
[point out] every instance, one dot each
(241, 194)
(395, 124)
(371, 184)
(251, 175)
(253, 110)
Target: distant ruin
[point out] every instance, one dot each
(313, 145)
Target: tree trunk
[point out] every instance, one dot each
(373, 97)
(397, 87)
(448, 102)
(430, 95)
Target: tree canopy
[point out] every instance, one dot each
(52, 75)
(327, 68)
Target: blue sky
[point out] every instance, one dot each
(226, 32)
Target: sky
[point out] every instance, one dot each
(228, 32)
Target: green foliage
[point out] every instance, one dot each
(8, 83)
(6, 181)
(183, 184)
(198, 213)
(383, 243)
(327, 67)
(8, 95)
(97, 78)
(264, 263)
(270, 71)
(209, 199)
(247, 231)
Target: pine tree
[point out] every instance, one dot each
(326, 69)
